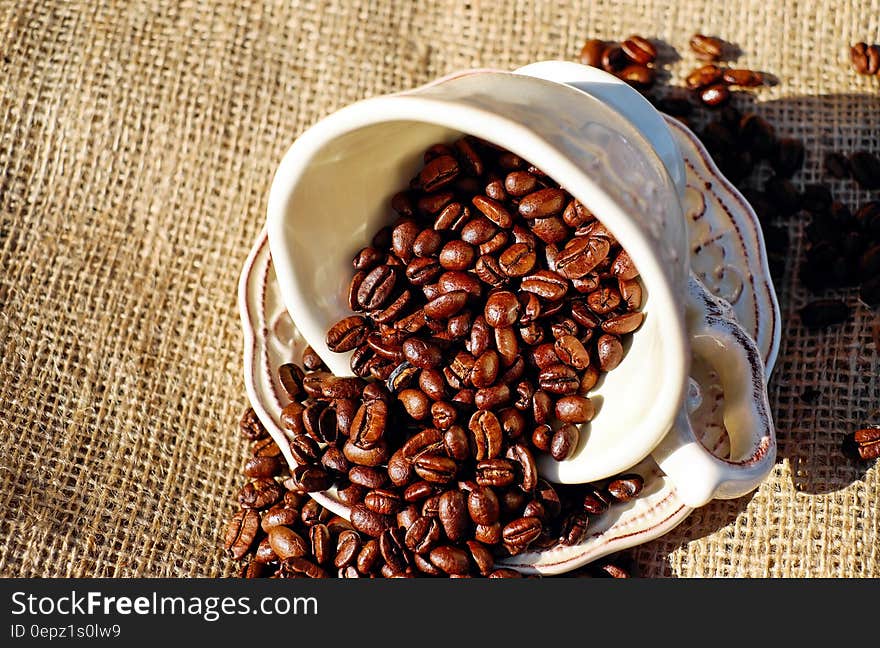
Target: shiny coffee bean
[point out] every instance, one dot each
(609, 351)
(574, 409)
(368, 522)
(486, 435)
(564, 442)
(453, 515)
(347, 334)
(457, 255)
(545, 284)
(625, 487)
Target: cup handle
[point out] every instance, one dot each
(698, 475)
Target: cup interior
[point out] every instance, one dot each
(342, 197)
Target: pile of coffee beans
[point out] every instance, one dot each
(281, 532)
(865, 58)
(632, 60)
(712, 83)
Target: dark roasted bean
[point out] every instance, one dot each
(564, 441)
(707, 48)
(368, 522)
(435, 468)
(623, 324)
(545, 284)
(486, 433)
(743, 78)
(591, 52)
(453, 514)
(438, 172)
(347, 334)
(542, 203)
(287, 543)
(517, 260)
(609, 351)
(457, 255)
(625, 487)
(704, 76)
(558, 379)
(259, 493)
(715, 95)
(241, 533)
(520, 533)
(502, 309)
(494, 211)
(574, 409)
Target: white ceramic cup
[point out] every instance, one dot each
(331, 194)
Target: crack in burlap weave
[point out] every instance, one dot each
(137, 144)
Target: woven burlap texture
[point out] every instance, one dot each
(137, 144)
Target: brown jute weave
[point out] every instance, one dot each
(137, 144)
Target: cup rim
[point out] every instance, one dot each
(522, 140)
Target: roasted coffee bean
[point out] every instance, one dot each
(436, 150)
(858, 54)
(368, 425)
(481, 557)
(312, 513)
(639, 49)
(348, 545)
(416, 403)
(486, 435)
(581, 255)
(542, 405)
(422, 270)
(453, 514)
(250, 426)
(351, 494)
(292, 418)
(419, 491)
(495, 244)
(575, 409)
(542, 203)
(420, 353)
(403, 375)
(290, 376)
(375, 290)
(347, 334)
(544, 355)
(443, 415)
(837, 165)
(367, 258)
(631, 293)
(550, 230)
(703, 77)
(319, 538)
(454, 281)
(743, 78)
(494, 211)
(640, 76)
(335, 387)
(576, 215)
(507, 345)
(623, 267)
(564, 441)
(788, 157)
(485, 370)
(490, 398)
(407, 515)
(496, 472)
(423, 535)
(591, 52)
(266, 448)
(427, 440)
(483, 505)
(400, 470)
(523, 397)
(707, 48)
(570, 350)
(478, 230)
(863, 444)
(545, 284)
(287, 543)
(625, 487)
(558, 379)
(513, 423)
(574, 528)
(520, 533)
(369, 522)
(458, 326)
(457, 255)
(609, 350)
(298, 567)
(517, 260)
(369, 557)
(623, 324)
(822, 313)
(241, 533)
(262, 467)
(489, 271)
(311, 478)
(393, 550)
(520, 183)
(502, 309)
(259, 493)
(595, 502)
(528, 469)
(435, 468)
(438, 172)
(443, 307)
(265, 554)
(375, 455)
(455, 441)
(384, 501)
(613, 58)
(402, 203)
(715, 95)
(533, 334)
(334, 461)
(432, 383)
(865, 168)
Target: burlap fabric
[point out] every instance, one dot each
(137, 145)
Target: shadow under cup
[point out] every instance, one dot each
(341, 198)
